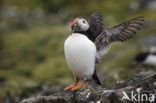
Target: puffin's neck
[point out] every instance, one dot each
(87, 33)
(82, 32)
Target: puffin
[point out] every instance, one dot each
(89, 41)
(147, 58)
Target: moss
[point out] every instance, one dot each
(53, 70)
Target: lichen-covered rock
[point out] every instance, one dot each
(141, 87)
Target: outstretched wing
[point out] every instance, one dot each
(119, 33)
(96, 26)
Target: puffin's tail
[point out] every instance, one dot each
(96, 79)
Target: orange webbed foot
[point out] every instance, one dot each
(67, 88)
(79, 86)
(75, 88)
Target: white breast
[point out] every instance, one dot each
(80, 54)
(151, 60)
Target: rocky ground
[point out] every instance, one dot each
(141, 88)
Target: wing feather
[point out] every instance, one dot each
(95, 23)
(119, 33)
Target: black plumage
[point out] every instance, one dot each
(119, 33)
(95, 77)
(141, 57)
(103, 38)
(95, 27)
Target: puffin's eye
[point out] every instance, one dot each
(84, 21)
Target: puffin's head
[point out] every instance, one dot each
(80, 24)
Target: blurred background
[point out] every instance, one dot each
(32, 35)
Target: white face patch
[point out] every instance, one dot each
(83, 24)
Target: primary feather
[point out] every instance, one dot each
(119, 33)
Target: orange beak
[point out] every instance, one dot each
(74, 21)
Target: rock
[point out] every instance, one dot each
(138, 86)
